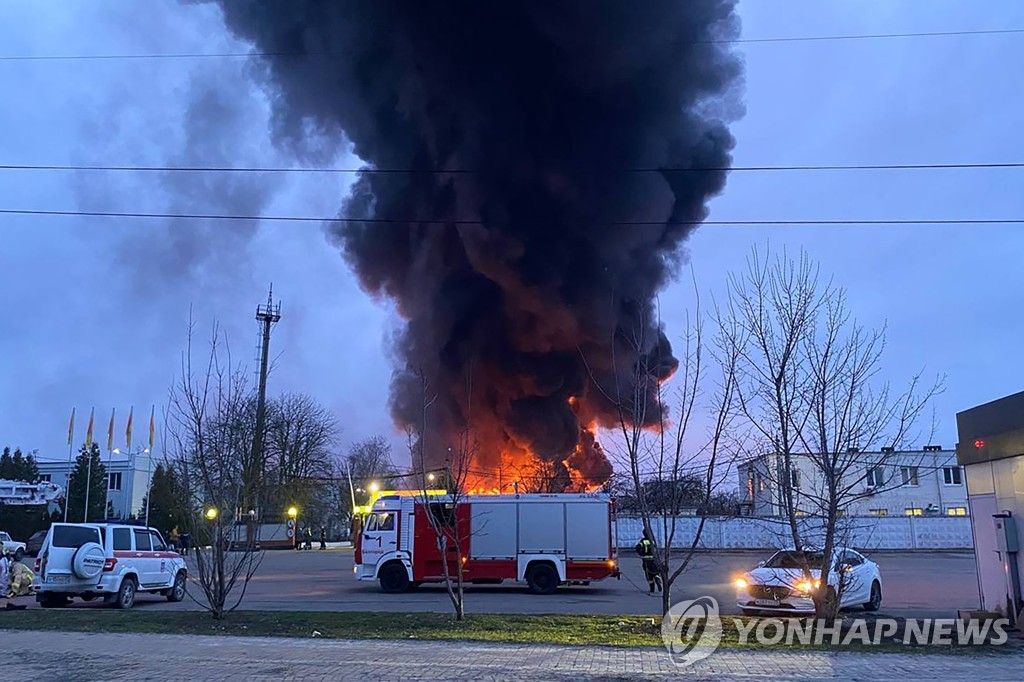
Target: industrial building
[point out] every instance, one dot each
(991, 450)
(927, 482)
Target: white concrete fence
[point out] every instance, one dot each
(861, 532)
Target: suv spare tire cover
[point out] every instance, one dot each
(88, 561)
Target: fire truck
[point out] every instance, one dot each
(544, 540)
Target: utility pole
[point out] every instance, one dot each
(267, 315)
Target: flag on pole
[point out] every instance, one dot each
(128, 429)
(88, 433)
(71, 427)
(110, 431)
(152, 427)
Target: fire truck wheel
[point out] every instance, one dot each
(542, 579)
(394, 578)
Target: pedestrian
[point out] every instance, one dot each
(645, 548)
(323, 538)
(309, 538)
(186, 542)
(5, 576)
(175, 538)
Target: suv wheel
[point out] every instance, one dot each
(177, 591)
(126, 594)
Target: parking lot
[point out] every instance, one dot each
(915, 585)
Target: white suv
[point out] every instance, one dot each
(112, 561)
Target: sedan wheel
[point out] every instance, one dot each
(875, 602)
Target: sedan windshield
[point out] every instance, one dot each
(794, 559)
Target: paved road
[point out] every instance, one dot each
(916, 585)
(77, 656)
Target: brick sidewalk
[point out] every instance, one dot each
(69, 657)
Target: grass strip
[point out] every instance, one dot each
(575, 630)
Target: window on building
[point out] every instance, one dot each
(913, 511)
(878, 512)
(956, 511)
(794, 478)
(875, 477)
(760, 483)
(44, 478)
(750, 485)
(909, 475)
(115, 481)
(952, 475)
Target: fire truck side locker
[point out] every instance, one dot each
(495, 527)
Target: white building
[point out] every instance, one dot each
(128, 479)
(929, 482)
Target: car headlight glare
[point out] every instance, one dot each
(807, 586)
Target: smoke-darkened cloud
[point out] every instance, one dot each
(518, 288)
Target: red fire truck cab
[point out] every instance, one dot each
(545, 540)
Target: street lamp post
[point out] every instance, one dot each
(293, 515)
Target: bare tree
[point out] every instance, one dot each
(450, 528)
(367, 462)
(809, 386)
(670, 466)
(301, 434)
(210, 436)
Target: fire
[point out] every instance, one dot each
(519, 469)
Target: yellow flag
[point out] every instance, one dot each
(71, 426)
(88, 432)
(152, 427)
(128, 429)
(110, 431)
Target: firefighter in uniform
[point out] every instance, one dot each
(645, 548)
(15, 581)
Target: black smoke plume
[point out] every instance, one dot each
(518, 288)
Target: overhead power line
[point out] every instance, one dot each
(340, 52)
(466, 171)
(621, 223)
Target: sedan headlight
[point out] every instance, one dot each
(807, 586)
(741, 583)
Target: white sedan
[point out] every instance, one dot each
(13, 547)
(779, 584)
